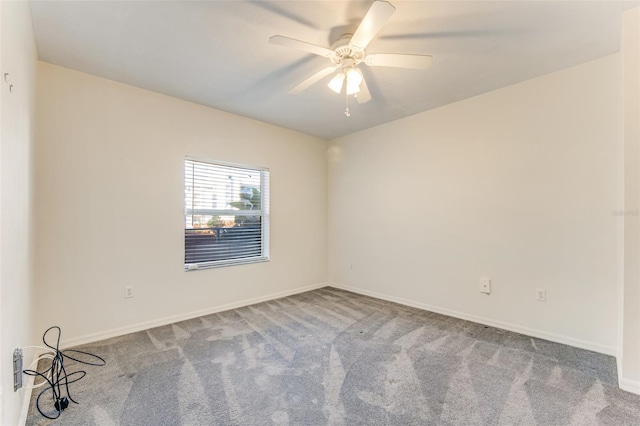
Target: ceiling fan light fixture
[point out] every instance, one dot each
(354, 78)
(337, 82)
(349, 51)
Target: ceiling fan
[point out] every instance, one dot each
(349, 52)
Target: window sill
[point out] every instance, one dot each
(220, 264)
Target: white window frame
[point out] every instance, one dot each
(264, 214)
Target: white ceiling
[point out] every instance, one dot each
(216, 53)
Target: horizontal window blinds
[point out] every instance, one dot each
(226, 214)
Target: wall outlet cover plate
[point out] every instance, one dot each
(485, 285)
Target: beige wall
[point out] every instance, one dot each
(17, 112)
(630, 350)
(519, 185)
(110, 185)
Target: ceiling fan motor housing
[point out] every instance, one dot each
(343, 54)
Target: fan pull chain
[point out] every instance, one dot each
(346, 111)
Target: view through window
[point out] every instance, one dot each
(226, 214)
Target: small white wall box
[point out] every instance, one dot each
(485, 285)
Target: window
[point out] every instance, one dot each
(226, 210)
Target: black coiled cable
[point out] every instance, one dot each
(60, 380)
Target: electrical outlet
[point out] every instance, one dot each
(541, 294)
(485, 285)
(128, 292)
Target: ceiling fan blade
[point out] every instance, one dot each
(313, 80)
(300, 45)
(374, 20)
(399, 60)
(363, 95)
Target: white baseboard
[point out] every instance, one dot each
(584, 344)
(632, 386)
(120, 331)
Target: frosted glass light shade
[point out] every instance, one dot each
(336, 82)
(354, 78)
